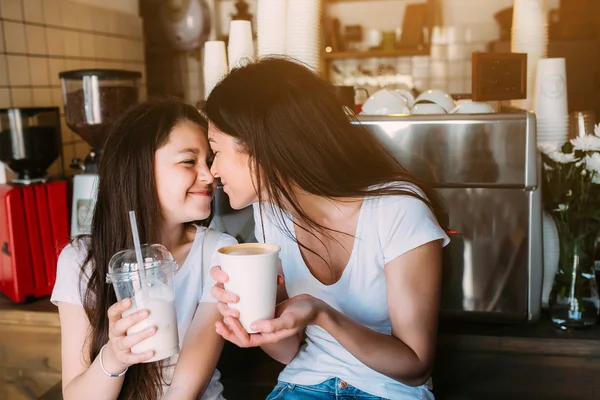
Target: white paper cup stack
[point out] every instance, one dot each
(530, 36)
(240, 49)
(550, 101)
(303, 31)
(271, 17)
(215, 64)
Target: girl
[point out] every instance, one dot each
(155, 161)
(361, 242)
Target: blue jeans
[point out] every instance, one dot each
(331, 389)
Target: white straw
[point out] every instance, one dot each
(136, 245)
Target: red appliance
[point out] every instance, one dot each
(33, 211)
(33, 230)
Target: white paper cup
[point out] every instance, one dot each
(214, 53)
(214, 64)
(252, 269)
(551, 88)
(241, 46)
(528, 13)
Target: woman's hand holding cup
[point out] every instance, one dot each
(117, 355)
(230, 328)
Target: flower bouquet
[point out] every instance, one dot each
(571, 195)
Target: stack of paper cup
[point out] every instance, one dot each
(529, 35)
(271, 17)
(303, 31)
(550, 101)
(241, 45)
(215, 64)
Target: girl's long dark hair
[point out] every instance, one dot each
(127, 182)
(296, 132)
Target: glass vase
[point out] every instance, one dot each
(574, 301)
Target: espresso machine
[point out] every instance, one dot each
(487, 170)
(33, 209)
(93, 101)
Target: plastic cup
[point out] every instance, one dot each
(153, 292)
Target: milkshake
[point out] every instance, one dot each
(160, 303)
(154, 292)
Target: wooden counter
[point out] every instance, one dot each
(29, 349)
(486, 361)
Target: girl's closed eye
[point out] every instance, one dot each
(189, 162)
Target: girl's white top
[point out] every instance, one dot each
(190, 289)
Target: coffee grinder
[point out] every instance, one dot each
(93, 101)
(33, 209)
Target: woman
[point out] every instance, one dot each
(155, 161)
(361, 242)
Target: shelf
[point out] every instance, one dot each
(339, 55)
(358, 1)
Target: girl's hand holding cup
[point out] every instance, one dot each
(117, 355)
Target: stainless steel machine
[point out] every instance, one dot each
(486, 168)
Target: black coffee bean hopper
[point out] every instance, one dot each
(93, 100)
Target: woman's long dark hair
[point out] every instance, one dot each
(127, 182)
(296, 132)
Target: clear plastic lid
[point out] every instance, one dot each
(124, 266)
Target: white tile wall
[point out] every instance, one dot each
(40, 38)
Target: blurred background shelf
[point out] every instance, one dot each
(338, 55)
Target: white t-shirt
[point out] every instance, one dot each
(387, 228)
(190, 288)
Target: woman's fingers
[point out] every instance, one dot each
(238, 330)
(223, 330)
(218, 275)
(227, 311)
(222, 296)
(284, 322)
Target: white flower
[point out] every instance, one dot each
(549, 147)
(592, 164)
(562, 207)
(597, 130)
(562, 158)
(586, 143)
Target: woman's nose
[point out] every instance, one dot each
(213, 170)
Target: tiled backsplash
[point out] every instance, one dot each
(40, 38)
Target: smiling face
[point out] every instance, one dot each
(232, 165)
(184, 183)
